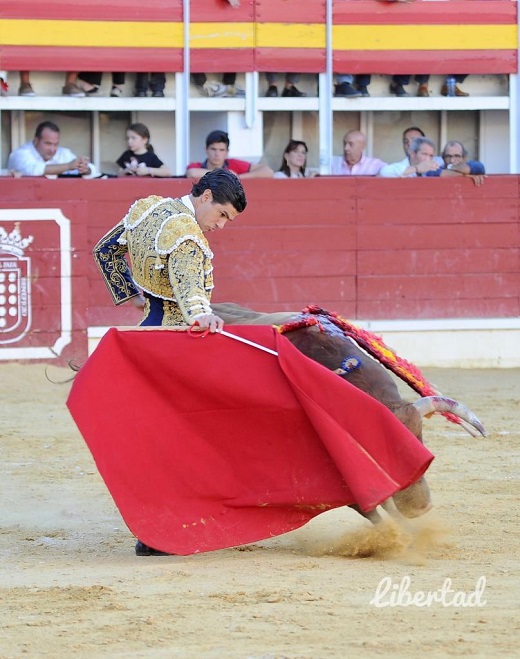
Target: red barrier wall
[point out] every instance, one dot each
(367, 248)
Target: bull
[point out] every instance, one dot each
(323, 342)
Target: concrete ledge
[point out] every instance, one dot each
(447, 343)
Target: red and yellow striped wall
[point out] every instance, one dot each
(426, 36)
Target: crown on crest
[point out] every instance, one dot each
(13, 242)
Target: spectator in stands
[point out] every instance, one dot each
(225, 89)
(344, 87)
(217, 149)
(353, 162)
(362, 82)
(455, 160)
(153, 82)
(409, 135)
(4, 87)
(397, 86)
(44, 157)
(140, 159)
(294, 161)
(289, 89)
(90, 82)
(459, 79)
(399, 82)
(421, 159)
(69, 89)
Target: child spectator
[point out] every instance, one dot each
(140, 158)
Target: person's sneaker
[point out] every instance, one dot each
(158, 93)
(26, 90)
(422, 91)
(116, 92)
(215, 88)
(144, 550)
(272, 91)
(293, 92)
(345, 90)
(398, 90)
(93, 90)
(4, 87)
(73, 90)
(363, 91)
(140, 93)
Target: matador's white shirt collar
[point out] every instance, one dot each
(188, 203)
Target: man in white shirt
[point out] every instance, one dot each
(420, 161)
(396, 169)
(353, 162)
(44, 157)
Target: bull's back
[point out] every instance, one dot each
(234, 314)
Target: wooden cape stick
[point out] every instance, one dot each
(185, 328)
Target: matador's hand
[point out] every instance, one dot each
(138, 301)
(210, 321)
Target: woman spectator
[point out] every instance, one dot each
(140, 158)
(294, 161)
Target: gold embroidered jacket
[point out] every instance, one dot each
(169, 257)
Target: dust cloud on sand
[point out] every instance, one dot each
(398, 538)
(71, 584)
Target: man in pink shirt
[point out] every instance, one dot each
(353, 162)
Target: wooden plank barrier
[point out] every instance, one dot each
(370, 249)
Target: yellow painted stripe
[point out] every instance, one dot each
(222, 35)
(124, 34)
(143, 34)
(425, 37)
(295, 35)
(96, 34)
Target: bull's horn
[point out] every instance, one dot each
(430, 404)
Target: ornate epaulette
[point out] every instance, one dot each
(141, 208)
(177, 229)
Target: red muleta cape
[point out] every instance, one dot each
(209, 443)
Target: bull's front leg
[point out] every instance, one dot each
(372, 515)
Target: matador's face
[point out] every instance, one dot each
(211, 215)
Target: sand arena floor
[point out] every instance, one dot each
(71, 585)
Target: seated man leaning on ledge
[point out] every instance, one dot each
(217, 149)
(455, 160)
(44, 157)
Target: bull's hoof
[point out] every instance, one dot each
(415, 500)
(413, 511)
